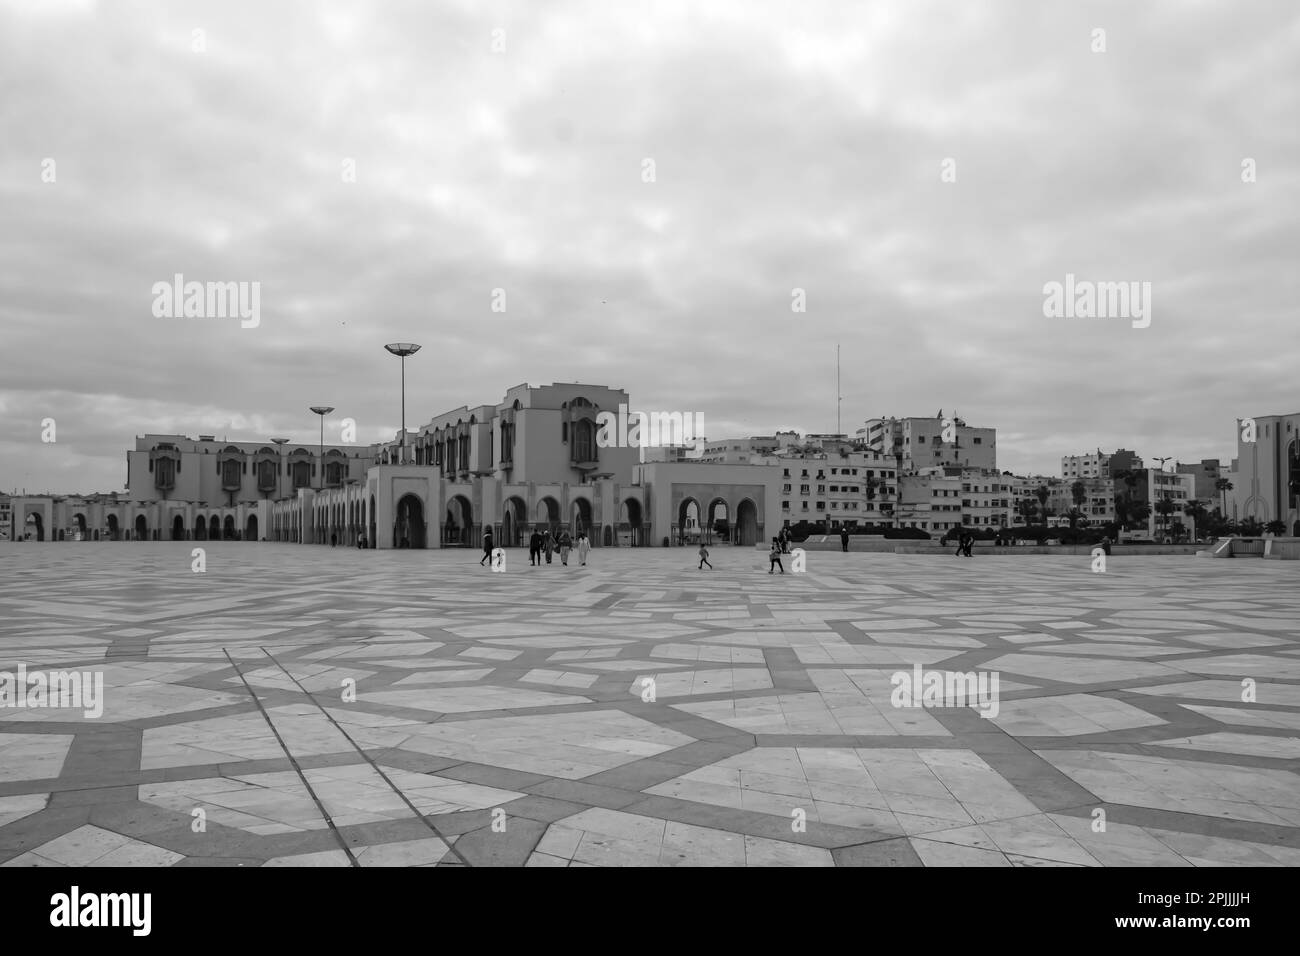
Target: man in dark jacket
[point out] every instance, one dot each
(487, 549)
(535, 548)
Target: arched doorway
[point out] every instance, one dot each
(548, 514)
(228, 532)
(141, 528)
(608, 537)
(370, 524)
(630, 527)
(250, 528)
(747, 524)
(514, 521)
(114, 531)
(580, 516)
(688, 521)
(80, 520)
(35, 526)
(178, 528)
(200, 528)
(214, 528)
(410, 522)
(717, 527)
(458, 527)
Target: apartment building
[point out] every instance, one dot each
(930, 501)
(852, 489)
(987, 498)
(1095, 465)
(1097, 505)
(1205, 475)
(942, 441)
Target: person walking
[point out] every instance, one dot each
(535, 548)
(961, 542)
(566, 543)
(583, 547)
(967, 542)
(487, 549)
(784, 535)
(548, 545)
(844, 539)
(704, 558)
(774, 556)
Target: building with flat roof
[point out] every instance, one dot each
(930, 442)
(1205, 474)
(1094, 465)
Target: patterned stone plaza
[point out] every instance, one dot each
(435, 713)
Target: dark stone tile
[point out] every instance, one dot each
(892, 852)
(486, 847)
(78, 798)
(588, 795)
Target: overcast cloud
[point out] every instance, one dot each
(795, 145)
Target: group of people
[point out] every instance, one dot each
(965, 541)
(544, 543)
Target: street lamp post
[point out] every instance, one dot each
(403, 349)
(322, 411)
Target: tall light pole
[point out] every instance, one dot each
(403, 349)
(322, 411)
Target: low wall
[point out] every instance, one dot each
(876, 545)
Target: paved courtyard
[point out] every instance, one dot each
(328, 707)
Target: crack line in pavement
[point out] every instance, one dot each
(297, 769)
(374, 766)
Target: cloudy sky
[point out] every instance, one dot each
(797, 145)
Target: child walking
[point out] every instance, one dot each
(704, 558)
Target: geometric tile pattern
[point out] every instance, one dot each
(326, 707)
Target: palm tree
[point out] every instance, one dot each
(1026, 507)
(1223, 486)
(1196, 511)
(1079, 491)
(1074, 514)
(1042, 494)
(1276, 527)
(1164, 508)
(1121, 510)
